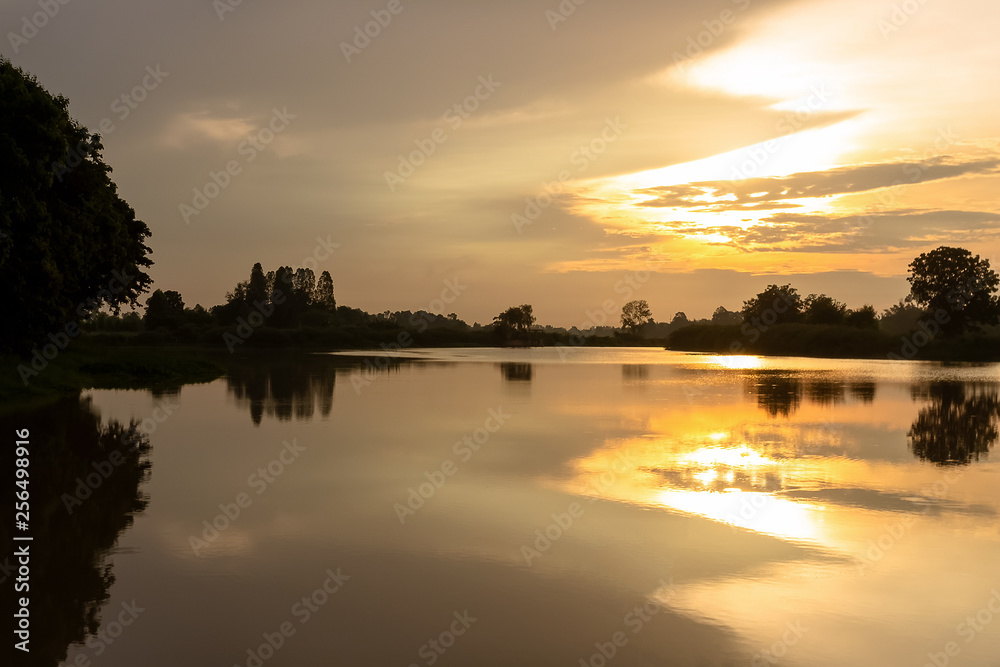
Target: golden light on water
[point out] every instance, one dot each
(735, 361)
(705, 481)
(759, 512)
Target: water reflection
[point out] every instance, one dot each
(780, 394)
(516, 372)
(863, 391)
(960, 424)
(85, 491)
(633, 374)
(284, 389)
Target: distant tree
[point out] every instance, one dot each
(900, 318)
(239, 293)
(515, 320)
(722, 315)
(680, 319)
(955, 283)
(775, 305)
(256, 291)
(864, 317)
(164, 309)
(198, 316)
(68, 243)
(284, 311)
(635, 314)
(269, 279)
(324, 296)
(821, 309)
(304, 286)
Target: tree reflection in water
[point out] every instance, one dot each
(780, 394)
(284, 389)
(960, 424)
(85, 488)
(516, 372)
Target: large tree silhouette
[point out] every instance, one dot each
(958, 285)
(68, 243)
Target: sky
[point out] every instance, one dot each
(468, 156)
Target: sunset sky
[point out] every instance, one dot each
(721, 146)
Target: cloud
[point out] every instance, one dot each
(775, 192)
(193, 128)
(871, 233)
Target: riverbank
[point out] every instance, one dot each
(123, 361)
(89, 365)
(837, 342)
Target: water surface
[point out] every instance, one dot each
(537, 507)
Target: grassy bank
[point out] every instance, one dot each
(88, 364)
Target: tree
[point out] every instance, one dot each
(324, 296)
(722, 315)
(256, 291)
(635, 314)
(821, 309)
(284, 309)
(680, 319)
(956, 287)
(304, 287)
(164, 309)
(69, 244)
(900, 318)
(775, 305)
(864, 317)
(515, 320)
